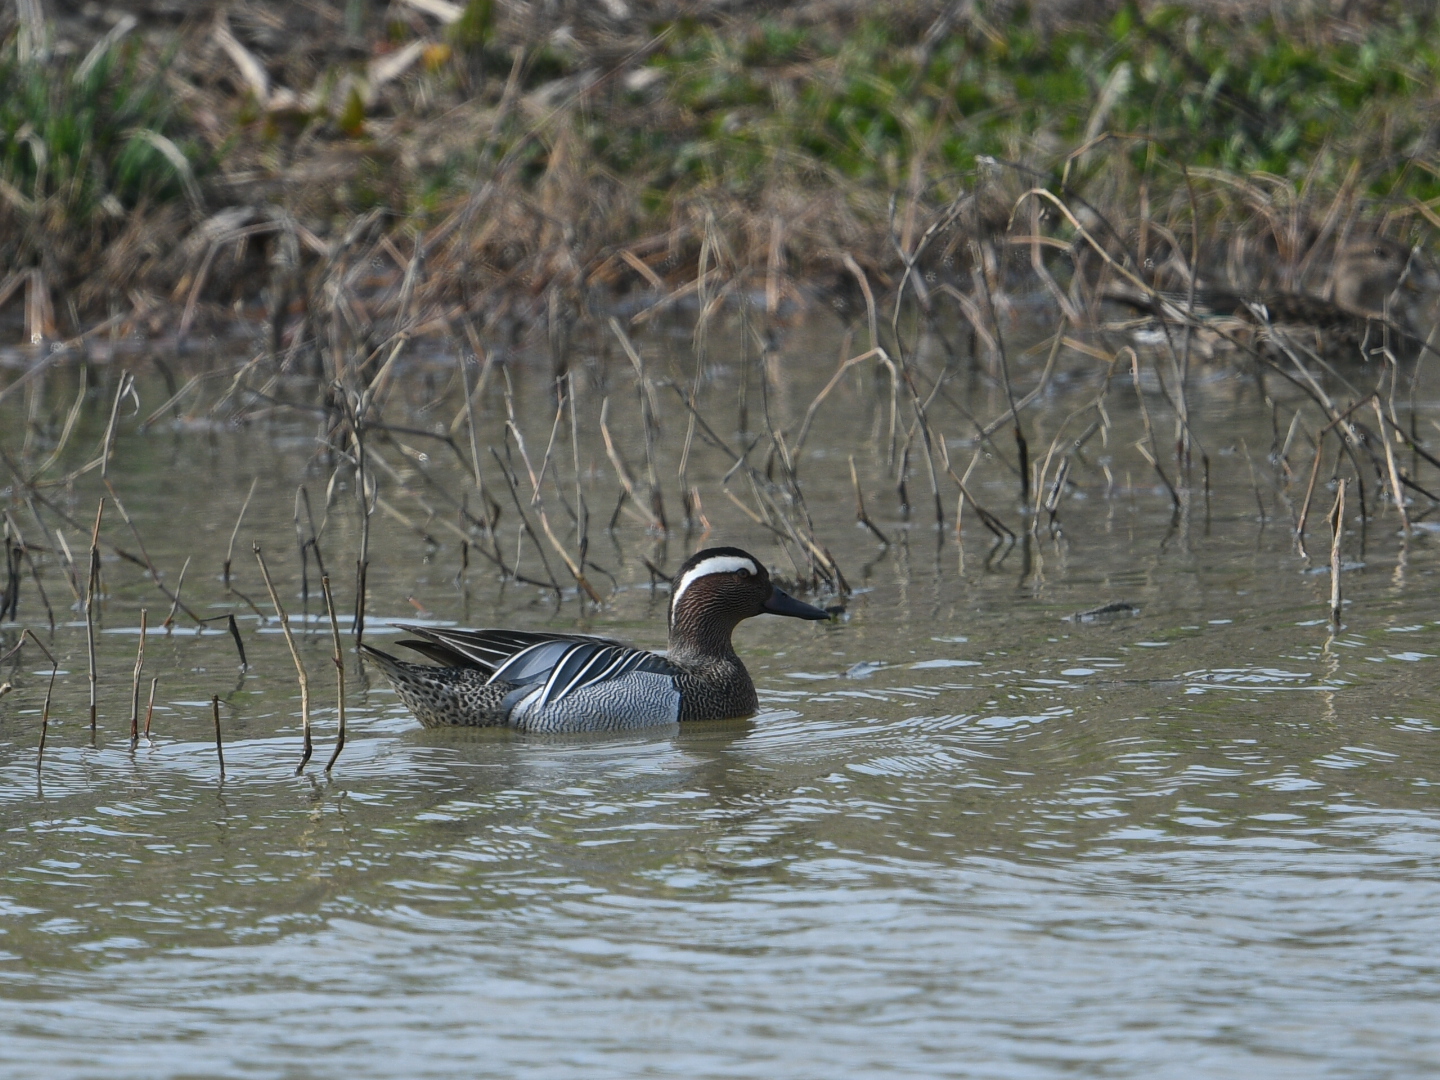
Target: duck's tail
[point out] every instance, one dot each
(443, 696)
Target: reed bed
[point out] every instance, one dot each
(405, 332)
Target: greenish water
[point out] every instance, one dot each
(966, 835)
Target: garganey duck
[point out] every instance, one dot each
(1370, 287)
(537, 681)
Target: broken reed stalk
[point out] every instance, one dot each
(234, 628)
(1394, 473)
(1151, 455)
(29, 634)
(538, 503)
(230, 551)
(150, 708)
(91, 582)
(339, 659)
(149, 563)
(1309, 491)
(582, 511)
(526, 528)
(294, 655)
(179, 585)
(362, 560)
(1022, 447)
(1337, 530)
(627, 482)
(860, 513)
(1254, 483)
(135, 683)
(648, 409)
(219, 746)
(127, 383)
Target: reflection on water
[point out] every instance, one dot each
(968, 835)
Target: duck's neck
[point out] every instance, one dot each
(698, 639)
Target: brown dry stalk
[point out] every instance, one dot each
(860, 513)
(135, 683)
(339, 660)
(1310, 491)
(219, 746)
(627, 483)
(92, 582)
(27, 634)
(1337, 530)
(1394, 473)
(149, 564)
(294, 655)
(1153, 454)
(150, 708)
(230, 550)
(576, 571)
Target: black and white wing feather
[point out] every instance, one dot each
(567, 666)
(484, 649)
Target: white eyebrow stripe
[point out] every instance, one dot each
(716, 564)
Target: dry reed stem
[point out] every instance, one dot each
(234, 628)
(1254, 483)
(1337, 530)
(127, 386)
(860, 513)
(294, 655)
(1152, 455)
(150, 707)
(92, 581)
(219, 745)
(174, 597)
(24, 552)
(230, 549)
(627, 482)
(526, 529)
(582, 511)
(1309, 492)
(339, 660)
(576, 571)
(65, 432)
(980, 273)
(135, 683)
(28, 634)
(648, 409)
(1394, 473)
(179, 586)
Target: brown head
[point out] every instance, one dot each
(1368, 271)
(715, 590)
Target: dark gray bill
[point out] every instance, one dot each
(781, 603)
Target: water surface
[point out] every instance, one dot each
(967, 835)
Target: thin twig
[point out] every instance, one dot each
(135, 683)
(150, 708)
(860, 514)
(339, 659)
(91, 583)
(219, 747)
(230, 551)
(294, 655)
(1337, 530)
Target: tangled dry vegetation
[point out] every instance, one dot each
(170, 169)
(340, 180)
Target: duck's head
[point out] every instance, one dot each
(715, 590)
